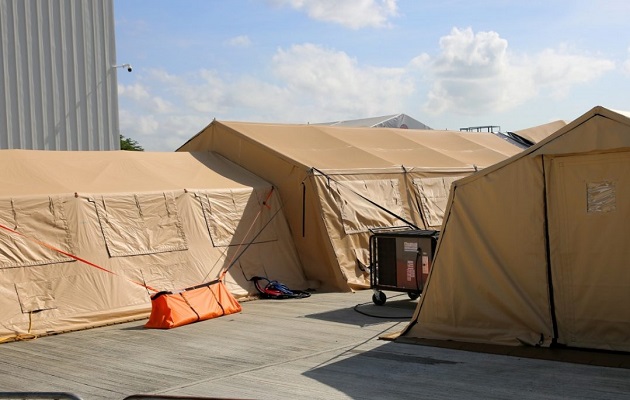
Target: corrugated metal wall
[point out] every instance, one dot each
(58, 87)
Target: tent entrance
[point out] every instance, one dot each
(589, 210)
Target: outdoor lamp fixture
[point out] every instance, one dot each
(128, 66)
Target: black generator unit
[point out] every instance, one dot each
(400, 261)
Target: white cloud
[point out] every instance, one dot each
(331, 84)
(354, 14)
(310, 84)
(136, 92)
(420, 61)
(132, 124)
(559, 70)
(475, 72)
(626, 64)
(239, 41)
(140, 94)
(201, 91)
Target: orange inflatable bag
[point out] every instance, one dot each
(198, 303)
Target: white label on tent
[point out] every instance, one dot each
(411, 270)
(425, 263)
(601, 197)
(410, 246)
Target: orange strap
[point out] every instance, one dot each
(73, 256)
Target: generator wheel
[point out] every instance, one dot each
(413, 295)
(379, 298)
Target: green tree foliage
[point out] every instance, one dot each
(129, 144)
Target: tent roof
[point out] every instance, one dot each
(343, 148)
(542, 146)
(537, 133)
(391, 121)
(32, 172)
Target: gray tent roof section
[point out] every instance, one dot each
(388, 121)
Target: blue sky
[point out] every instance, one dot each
(448, 64)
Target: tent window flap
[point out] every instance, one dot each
(35, 296)
(359, 215)
(140, 224)
(235, 217)
(36, 219)
(433, 197)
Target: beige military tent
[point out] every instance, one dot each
(86, 236)
(534, 250)
(339, 183)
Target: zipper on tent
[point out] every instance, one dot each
(552, 306)
(303, 209)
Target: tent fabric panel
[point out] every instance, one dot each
(589, 196)
(338, 147)
(403, 147)
(140, 224)
(34, 220)
(497, 148)
(599, 130)
(65, 297)
(169, 275)
(482, 287)
(116, 172)
(358, 214)
(311, 222)
(478, 149)
(432, 195)
(306, 145)
(537, 133)
(350, 232)
(35, 296)
(224, 211)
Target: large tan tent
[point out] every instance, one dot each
(164, 220)
(534, 250)
(339, 183)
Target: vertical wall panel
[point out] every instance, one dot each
(57, 86)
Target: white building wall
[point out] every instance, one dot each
(58, 86)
